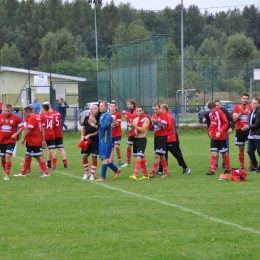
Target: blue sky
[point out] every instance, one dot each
(161, 4)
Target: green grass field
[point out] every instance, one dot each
(181, 217)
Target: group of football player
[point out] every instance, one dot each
(138, 123)
(246, 120)
(38, 131)
(102, 132)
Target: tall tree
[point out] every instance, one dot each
(167, 23)
(124, 33)
(252, 23)
(239, 47)
(211, 31)
(57, 47)
(194, 26)
(108, 22)
(10, 56)
(127, 13)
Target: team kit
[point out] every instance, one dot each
(101, 136)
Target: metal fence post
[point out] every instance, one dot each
(176, 116)
(76, 118)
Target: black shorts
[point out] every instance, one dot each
(92, 149)
(139, 146)
(130, 140)
(160, 145)
(218, 146)
(116, 140)
(50, 144)
(241, 137)
(33, 151)
(59, 142)
(6, 148)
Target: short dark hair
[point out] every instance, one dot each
(46, 107)
(16, 109)
(113, 103)
(140, 107)
(211, 104)
(28, 109)
(217, 100)
(245, 94)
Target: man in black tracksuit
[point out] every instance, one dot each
(254, 134)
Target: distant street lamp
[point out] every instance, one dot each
(95, 17)
(182, 63)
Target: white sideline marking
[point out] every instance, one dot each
(163, 203)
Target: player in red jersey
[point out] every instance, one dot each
(172, 143)
(9, 123)
(116, 132)
(131, 105)
(58, 136)
(140, 125)
(48, 125)
(241, 118)
(1, 107)
(25, 122)
(218, 134)
(161, 132)
(34, 142)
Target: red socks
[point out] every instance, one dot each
(44, 168)
(165, 166)
(227, 162)
(143, 166)
(93, 167)
(85, 165)
(54, 163)
(26, 166)
(8, 166)
(241, 157)
(128, 156)
(155, 167)
(213, 162)
(137, 168)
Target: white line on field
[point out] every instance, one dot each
(163, 203)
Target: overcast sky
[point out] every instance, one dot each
(161, 4)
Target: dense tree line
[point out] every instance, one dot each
(26, 23)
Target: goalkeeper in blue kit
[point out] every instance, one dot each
(105, 141)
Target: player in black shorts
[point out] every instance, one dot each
(89, 132)
(140, 126)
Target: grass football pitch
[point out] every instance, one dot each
(190, 216)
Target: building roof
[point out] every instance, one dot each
(36, 72)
